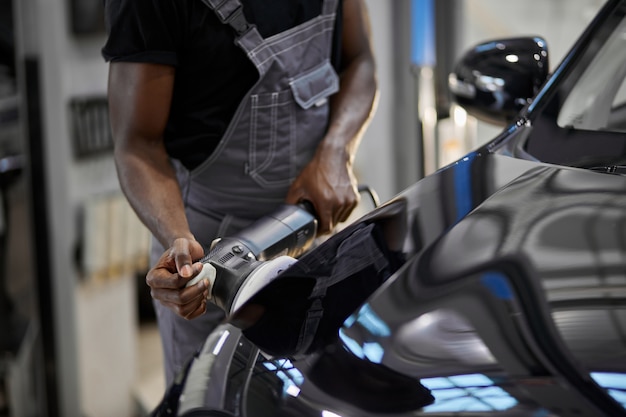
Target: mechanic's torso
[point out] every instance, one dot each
(213, 74)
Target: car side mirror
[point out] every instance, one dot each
(496, 79)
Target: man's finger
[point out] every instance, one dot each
(188, 311)
(181, 253)
(180, 297)
(345, 211)
(160, 278)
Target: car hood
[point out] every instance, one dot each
(494, 285)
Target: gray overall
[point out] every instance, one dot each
(271, 137)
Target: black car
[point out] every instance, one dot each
(493, 287)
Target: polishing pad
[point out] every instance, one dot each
(259, 278)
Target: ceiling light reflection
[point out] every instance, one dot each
(473, 392)
(614, 383)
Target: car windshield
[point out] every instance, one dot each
(598, 100)
(579, 120)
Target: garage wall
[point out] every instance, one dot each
(558, 21)
(374, 158)
(94, 322)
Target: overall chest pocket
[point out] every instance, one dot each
(287, 125)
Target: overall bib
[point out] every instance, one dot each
(272, 136)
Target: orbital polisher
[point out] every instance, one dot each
(240, 265)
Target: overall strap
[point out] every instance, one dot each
(329, 7)
(230, 12)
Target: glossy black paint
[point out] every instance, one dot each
(497, 79)
(493, 287)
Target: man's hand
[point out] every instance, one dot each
(328, 180)
(330, 185)
(167, 279)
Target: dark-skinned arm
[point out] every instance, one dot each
(328, 180)
(139, 103)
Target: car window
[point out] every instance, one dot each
(598, 100)
(581, 119)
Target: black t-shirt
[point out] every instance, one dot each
(212, 73)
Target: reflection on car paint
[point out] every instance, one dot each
(474, 392)
(292, 378)
(614, 383)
